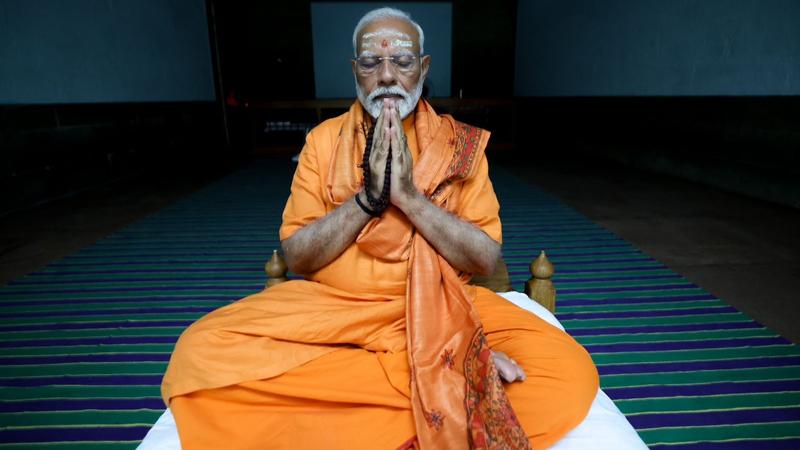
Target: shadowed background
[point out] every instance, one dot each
(673, 125)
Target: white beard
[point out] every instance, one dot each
(405, 105)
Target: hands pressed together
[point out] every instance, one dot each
(390, 137)
(462, 244)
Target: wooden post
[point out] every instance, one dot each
(276, 269)
(540, 286)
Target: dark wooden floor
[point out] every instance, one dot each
(744, 251)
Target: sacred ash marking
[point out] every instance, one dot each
(400, 39)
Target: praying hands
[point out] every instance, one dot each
(390, 146)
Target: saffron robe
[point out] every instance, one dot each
(324, 363)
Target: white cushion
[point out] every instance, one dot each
(163, 435)
(604, 427)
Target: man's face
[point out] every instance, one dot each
(396, 78)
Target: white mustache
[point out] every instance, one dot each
(405, 105)
(393, 90)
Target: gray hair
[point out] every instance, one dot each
(387, 13)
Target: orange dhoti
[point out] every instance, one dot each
(352, 398)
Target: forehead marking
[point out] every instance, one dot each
(385, 32)
(385, 43)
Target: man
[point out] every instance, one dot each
(384, 345)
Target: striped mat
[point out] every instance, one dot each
(84, 341)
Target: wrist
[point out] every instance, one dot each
(362, 203)
(410, 201)
(365, 191)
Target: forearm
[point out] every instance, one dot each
(462, 244)
(318, 243)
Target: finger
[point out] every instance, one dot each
(386, 108)
(393, 138)
(382, 144)
(397, 125)
(387, 140)
(501, 363)
(397, 133)
(387, 124)
(516, 371)
(383, 119)
(402, 140)
(506, 374)
(511, 369)
(377, 135)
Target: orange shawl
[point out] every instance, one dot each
(458, 399)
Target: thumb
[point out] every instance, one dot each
(395, 142)
(504, 372)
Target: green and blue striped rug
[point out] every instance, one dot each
(84, 341)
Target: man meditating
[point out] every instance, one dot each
(384, 345)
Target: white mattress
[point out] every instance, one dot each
(604, 426)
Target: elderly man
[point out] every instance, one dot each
(384, 345)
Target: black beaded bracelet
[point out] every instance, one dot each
(365, 209)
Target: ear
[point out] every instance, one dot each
(353, 65)
(425, 64)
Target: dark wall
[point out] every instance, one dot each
(702, 89)
(85, 51)
(749, 145)
(265, 49)
(94, 87)
(483, 48)
(53, 150)
(656, 47)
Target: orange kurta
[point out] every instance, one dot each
(323, 363)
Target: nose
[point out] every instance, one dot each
(386, 73)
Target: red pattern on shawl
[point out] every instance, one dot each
(462, 404)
